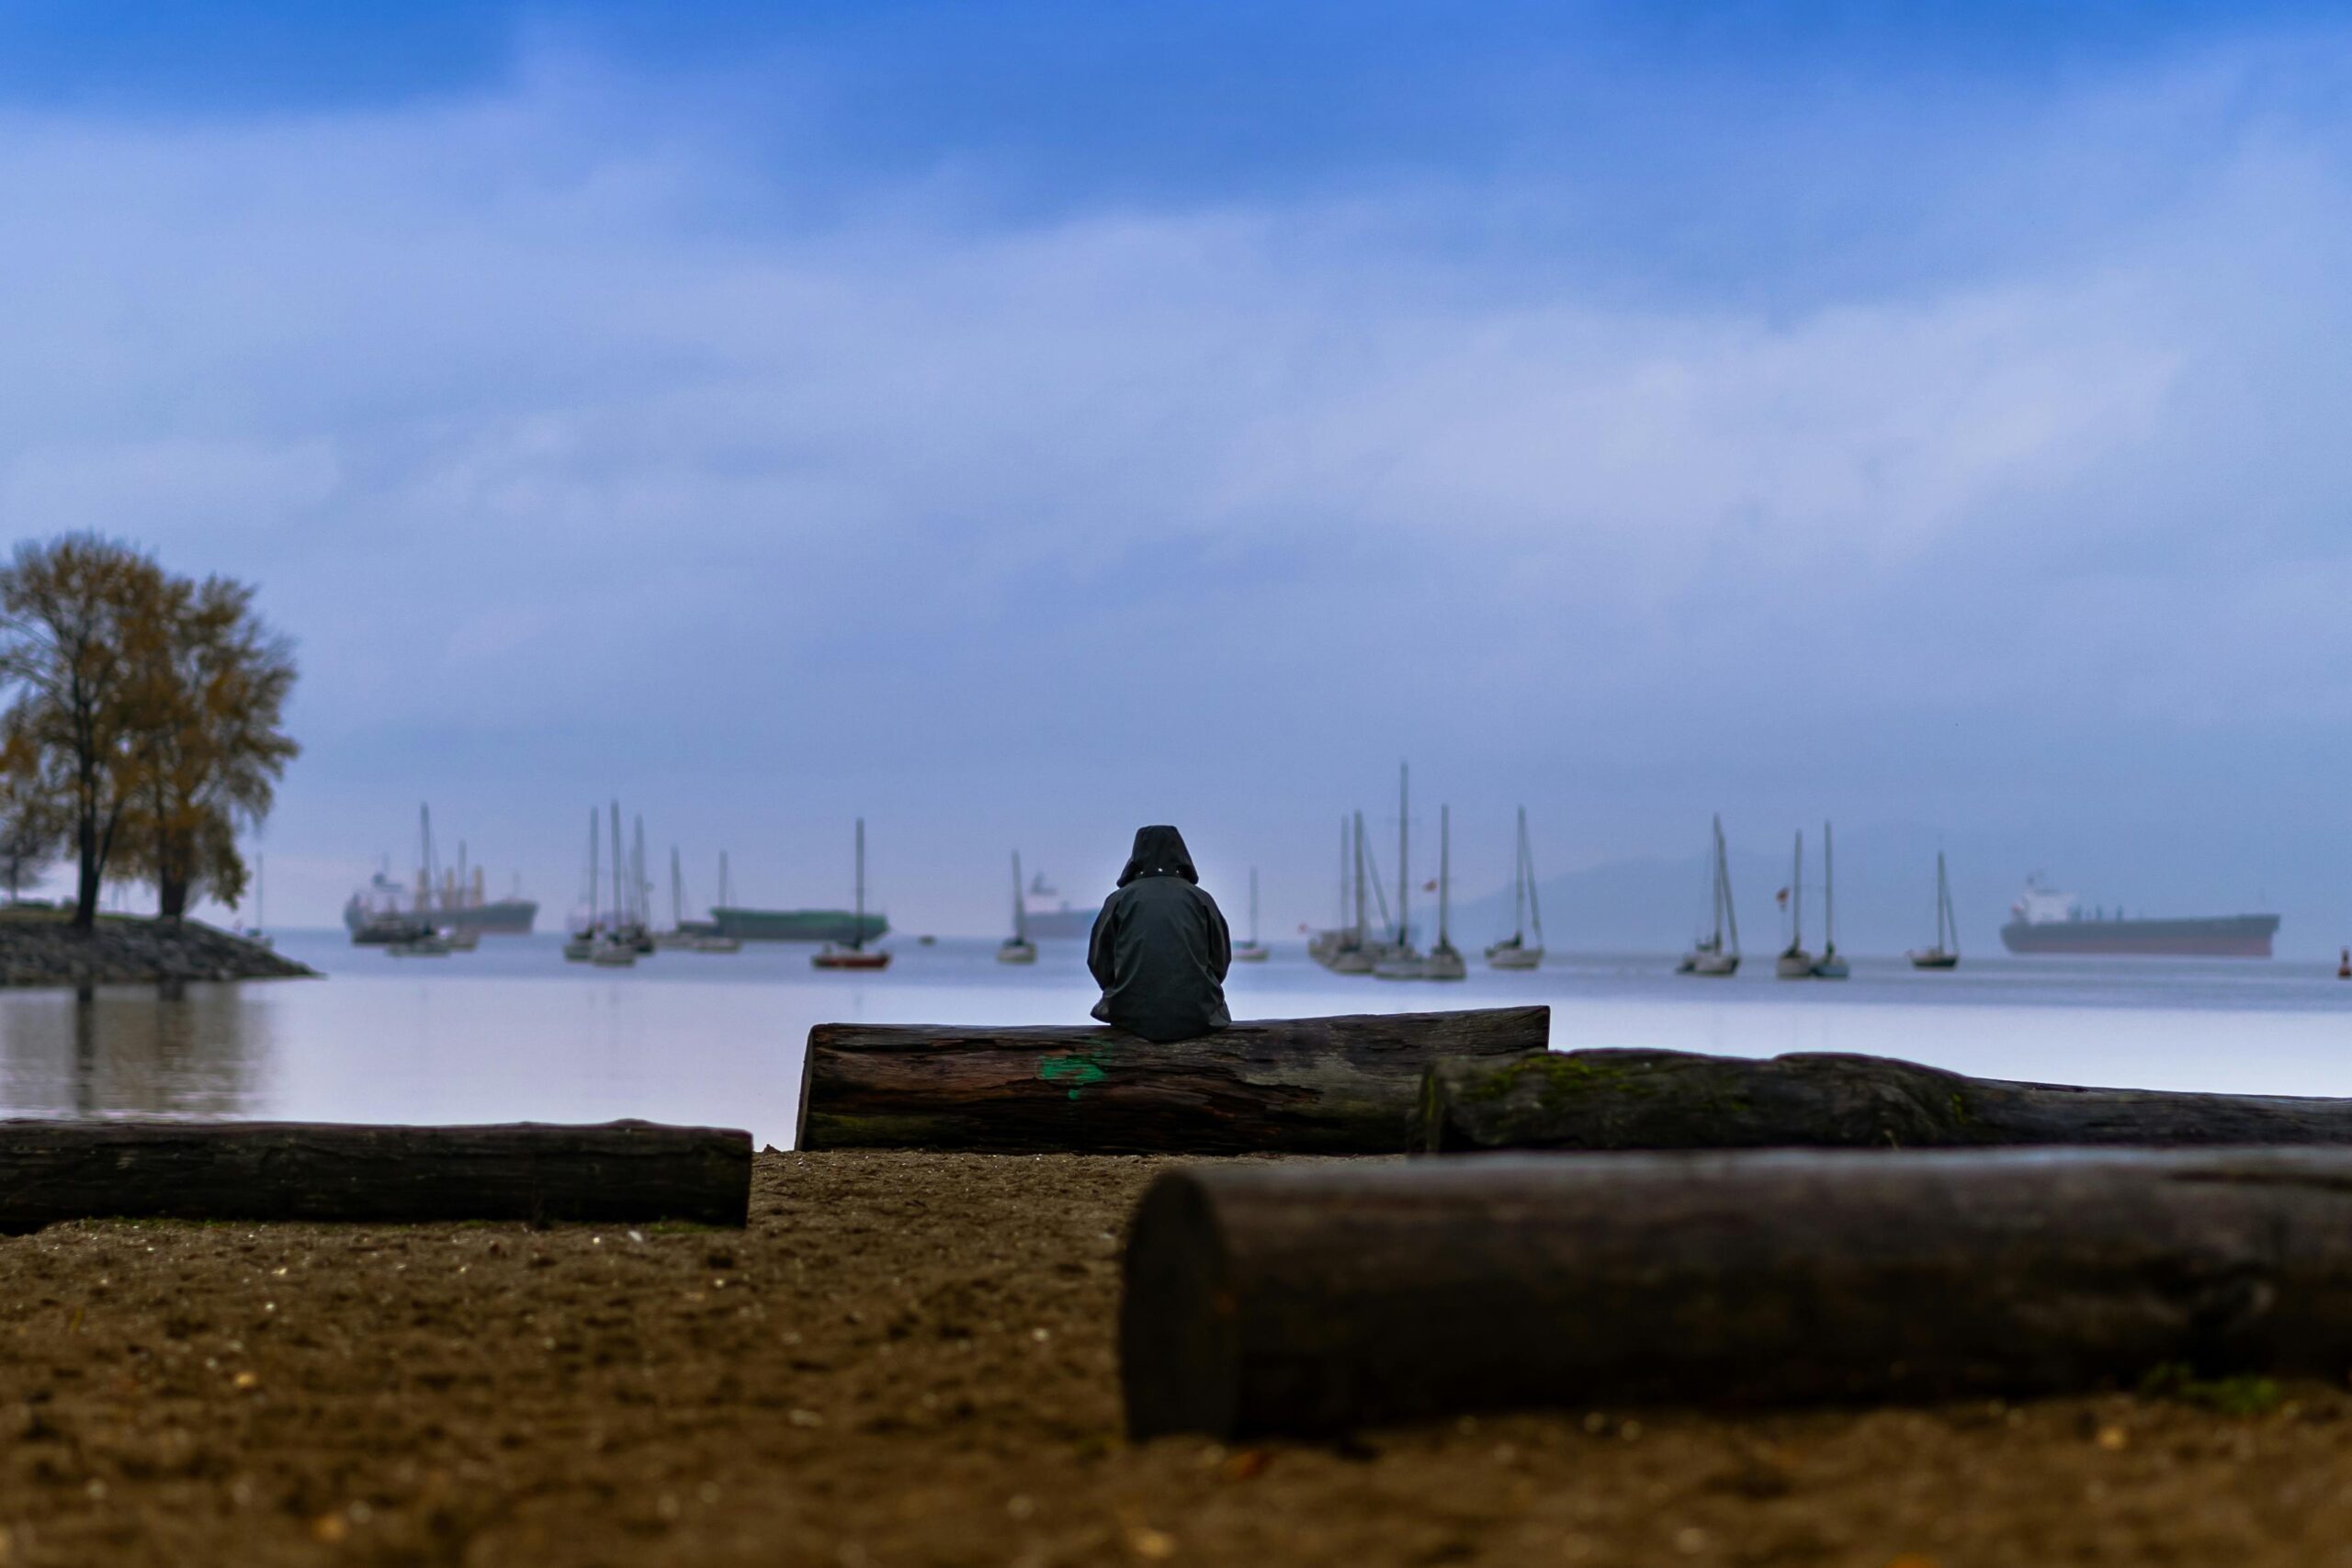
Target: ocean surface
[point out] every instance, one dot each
(512, 1033)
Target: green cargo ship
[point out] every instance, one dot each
(790, 925)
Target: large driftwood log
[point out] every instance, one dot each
(1298, 1085)
(286, 1170)
(1309, 1299)
(1673, 1100)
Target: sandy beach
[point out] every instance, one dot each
(909, 1359)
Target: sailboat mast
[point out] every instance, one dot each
(1729, 915)
(1829, 896)
(1527, 852)
(1020, 914)
(1254, 906)
(1518, 882)
(677, 892)
(595, 893)
(1796, 895)
(1359, 879)
(1444, 869)
(1343, 873)
(620, 903)
(1403, 842)
(857, 926)
(726, 887)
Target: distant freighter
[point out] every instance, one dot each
(378, 915)
(2044, 921)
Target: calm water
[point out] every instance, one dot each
(512, 1033)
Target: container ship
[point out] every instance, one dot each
(2042, 921)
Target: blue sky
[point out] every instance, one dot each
(1014, 423)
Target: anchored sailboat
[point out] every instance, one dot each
(1017, 948)
(853, 954)
(1514, 952)
(1795, 962)
(1831, 966)
(426, 942)
(583, 942)
(614, 946)
(1443, 961)
(1253, 951)
(1710, 957)
(1945, 954)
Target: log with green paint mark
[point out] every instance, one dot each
(1302, 1085)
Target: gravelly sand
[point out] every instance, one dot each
(908, 1359)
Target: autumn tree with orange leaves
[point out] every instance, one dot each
(147, 707)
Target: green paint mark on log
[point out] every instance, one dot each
(1077, 1070)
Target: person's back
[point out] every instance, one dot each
(1161, 949)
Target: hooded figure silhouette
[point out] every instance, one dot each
(1161, 948)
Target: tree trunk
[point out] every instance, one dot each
(1310, 1299)
(85, 888)
(1672, 1100)
(171, 897)
(1302, 1086)
(281, 1170)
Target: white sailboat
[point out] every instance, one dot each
(1830, 966)
(614, 945)
(1795, 962)
(1253, 951)
(1945, 954)
(1515, 952)
(677, 937)
(1017, 948)
(1443, 961)
(711, 941)
(429, 943)
(1716, 954)
(581, 945)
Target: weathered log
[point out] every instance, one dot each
(1674, 1099)
(1295, 1085)
(1313, 1298)
(287, 1170)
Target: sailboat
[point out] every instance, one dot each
(1795, 963)
(1513, 952)
(853, 954)
(1709, 957)
(1945, 954)
(581, 945)
(708, 938)
(677, 936)
(1253, 951)
(1831, 966)
(615, 944)
(1017, 948)
(462, 939)
(1443, 961)
(427, 943)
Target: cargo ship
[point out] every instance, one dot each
(1048, 915)
(384, 912)
(841, 926)
(2042, 921)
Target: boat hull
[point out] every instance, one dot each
(1935, 958)
(849, 960)
(1708, 965)
(1248, 953)
(1794, 964)
(2219, 936)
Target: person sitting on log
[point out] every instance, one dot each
(1161, 949)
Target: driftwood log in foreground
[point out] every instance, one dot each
(1298, 1085)
(1673, 1100)
(286, 1170)
(1310, 1299)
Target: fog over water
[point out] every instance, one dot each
(1013, 423)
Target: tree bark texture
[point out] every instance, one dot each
(1672, 1100)
(1315, 1298)
(1302, 1086)
(283, 1171)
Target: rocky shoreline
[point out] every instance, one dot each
(124, 952)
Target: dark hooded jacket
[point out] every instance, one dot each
(1161, 948)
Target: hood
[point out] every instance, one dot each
(1160, 851)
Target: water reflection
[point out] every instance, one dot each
(202, 1050)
